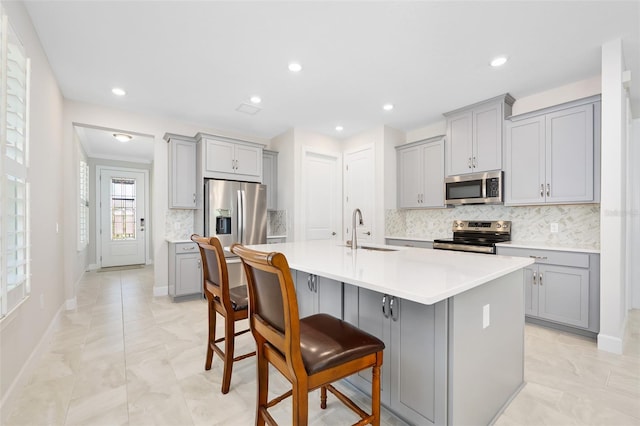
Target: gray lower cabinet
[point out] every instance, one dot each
(409, 243)
(317, 295)
(185, 269)
(561, 287)
(414, 370)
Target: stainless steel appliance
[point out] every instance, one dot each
(476, 236)
(235, 212)
(474, 188)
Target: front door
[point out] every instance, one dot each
(122, 221)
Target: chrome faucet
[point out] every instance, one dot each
(354, 234)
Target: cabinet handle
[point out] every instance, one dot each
(314, 280)
(540, 279)
(194, 197)
(368, 233)
(469, 162)
(384, 306)
(534, 278)
(199, 263)
(538, 257)
(391, 303)
(541, 190)
(309, 282)
(548, 189)
(474, 163)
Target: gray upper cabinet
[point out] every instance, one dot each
(474, 136)
(553, 156)
(270, 177)
(182, 171)
(230, 159)
(421, 173)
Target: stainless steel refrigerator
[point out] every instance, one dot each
(235, 212)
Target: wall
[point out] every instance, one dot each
(145, 124)
(285, 145)
(634, 190)
(558, 95)
(24, 332)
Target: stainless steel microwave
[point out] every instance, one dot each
(475, 188)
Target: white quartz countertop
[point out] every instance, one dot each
(543, 245)
(178, 241)
(423, 276)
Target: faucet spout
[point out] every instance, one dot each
(354, 235)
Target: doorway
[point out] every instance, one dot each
(121, 216)
(359, 185)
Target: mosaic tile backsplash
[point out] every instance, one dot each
(577, 224)
(178, 224)
(277, 222)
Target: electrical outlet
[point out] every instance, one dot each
(486, 321)
(554, 228)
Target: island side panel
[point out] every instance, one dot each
(486, 364)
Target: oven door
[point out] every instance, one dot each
(490, 249)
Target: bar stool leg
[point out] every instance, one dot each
(212, 334)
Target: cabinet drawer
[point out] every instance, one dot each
(182, 248)
(549, 257)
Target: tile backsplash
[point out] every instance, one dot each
(277, 222)
(577, 224)
(178, 224)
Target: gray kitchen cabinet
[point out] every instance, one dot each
(414, 370)
(230, 159)
(552, 156)
(185, 270)
(317, 295)
(182, 171)
(474, 136)
(409, 243)
(421, 173)
(561, 287)
(270, 177)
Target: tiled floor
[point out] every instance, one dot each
(127, 358)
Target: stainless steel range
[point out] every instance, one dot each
(475, 236)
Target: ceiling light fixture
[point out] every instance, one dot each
(256, 99)
(118, 91)
(387, 107)
(122, 137)
(339, 128)
(295, 67)
(499, 61)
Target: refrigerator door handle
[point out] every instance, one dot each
(240, 214)
(243, 214)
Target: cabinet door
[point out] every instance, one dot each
(524, 162)
(418, 362)
(459, 143)
(487, 138)
(219, 156)
(371, 319)
(564, 294)
(410, 182)
(569, 155)
(183, 175)
(329, 296)
(531, 291)
(248, 160)
(305, 295)
(188, 274)
(433, 173)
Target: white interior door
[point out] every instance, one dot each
(359, 185)
(122, 222)
(321, 195)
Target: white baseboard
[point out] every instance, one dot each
(92, 267)
(160, 291)
(609, 343)
(8, 401)
(71, 304)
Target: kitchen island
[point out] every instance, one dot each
(452, 322)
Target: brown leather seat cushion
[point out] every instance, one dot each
(239, 297)
(326, 341)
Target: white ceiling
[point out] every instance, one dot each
(198, 61)
(100, 143)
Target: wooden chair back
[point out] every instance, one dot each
(214, 268)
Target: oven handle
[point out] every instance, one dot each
(464, 247)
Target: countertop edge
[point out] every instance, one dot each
(533, 245)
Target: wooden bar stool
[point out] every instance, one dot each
(231, 303)
(311, 352)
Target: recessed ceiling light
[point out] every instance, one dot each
(499, 61)
(122, 137)
(295, 67)
(339, 128)
(387, 107)
(118, 91)
(256, 99)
